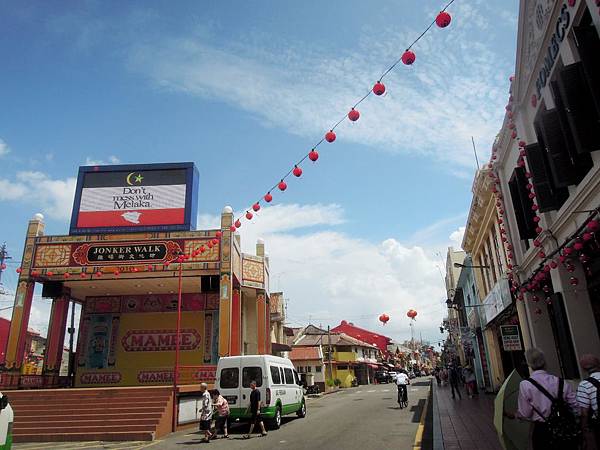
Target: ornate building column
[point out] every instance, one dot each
(226, 284)
(17, 336)
(56, 338)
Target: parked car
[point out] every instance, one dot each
(276, 379)
(418, 373)
(411, 374)
(382, 376)
(393, 376)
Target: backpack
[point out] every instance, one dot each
(595, 418)
(562, 423)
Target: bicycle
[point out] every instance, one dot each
(403, 396)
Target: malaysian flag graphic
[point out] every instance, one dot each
(129, 199)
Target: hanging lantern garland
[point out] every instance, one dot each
(442, 20)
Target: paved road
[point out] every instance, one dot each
(365, 418)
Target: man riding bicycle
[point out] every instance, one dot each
(402, 381)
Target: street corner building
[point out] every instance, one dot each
(154, 293)
(530, 276)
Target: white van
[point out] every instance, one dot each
(276, 379)
(6, 423)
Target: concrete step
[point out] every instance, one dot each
(74, 437)
(30, 410)
(56, 423)
(83, 415)
(95, 405)
(75, 428)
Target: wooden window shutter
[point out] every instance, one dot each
(548, 197)
(583, 118)
(524, 216)
(582, 162)
(560, 161)
(588, 44)
(563, 337)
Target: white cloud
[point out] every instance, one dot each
(3, 148)
(99, 162)
(457, 237)
(329, 276)
(53, 197)
(453, 91)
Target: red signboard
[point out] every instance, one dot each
(160, 340)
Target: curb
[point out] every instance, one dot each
(438, 439)
(417, 445)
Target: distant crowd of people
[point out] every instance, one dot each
(456, 376)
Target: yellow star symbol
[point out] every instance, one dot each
(139, 178)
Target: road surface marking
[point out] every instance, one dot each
(419, 436)
(371, 391)
(386, 390)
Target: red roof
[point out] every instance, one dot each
(370, 337)
(305, 354)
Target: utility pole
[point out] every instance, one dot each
(329, 352)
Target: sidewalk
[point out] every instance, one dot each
(465, 424)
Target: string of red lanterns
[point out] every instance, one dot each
(408, 57)
(442, 20)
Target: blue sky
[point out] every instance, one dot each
(244, 89)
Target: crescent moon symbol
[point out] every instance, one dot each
(128, 179)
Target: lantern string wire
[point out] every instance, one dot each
(343, 118)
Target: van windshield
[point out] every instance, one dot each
(230, 378)
(250, 374)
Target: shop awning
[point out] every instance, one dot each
(277, 347)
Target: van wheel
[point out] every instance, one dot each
(302, 411)
(276, 421)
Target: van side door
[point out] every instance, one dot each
(253, 372)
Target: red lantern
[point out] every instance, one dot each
(537, 243)
(218, 234)
(541, 254)
(411, 313)
(150, 268)
(203, 248)
(66, 275)
(408, 57)
(117, 273)
(353, 115)
(553, 264)
(522, 143)
(50, 273)
(379, 88)
(135, 269)
(538, 230)
(313, 155)
(534, 207)
(232, 228)
(215, 241)
(587, 236)
(248, 215)
(384, 318)
(282, 185)
(237, 223)
(98, 274)
(19, 270)
(567, 251)
(443, 19)
(297, 171)
(82, 275)
(209, 244)
(268, 198)
(255, 207)
(578, 246)
(593, 225)
(536, 219)
(330, 136)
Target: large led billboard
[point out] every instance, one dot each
(129, 198)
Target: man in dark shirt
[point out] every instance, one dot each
(255, 404)
(454, 378)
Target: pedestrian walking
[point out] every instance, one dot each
(470, 381)
(444, 376)
(222, 407)
(587, 398)
(255, 405)
(206, 412)
(550, 404)
(454, 377)
(437, 375)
